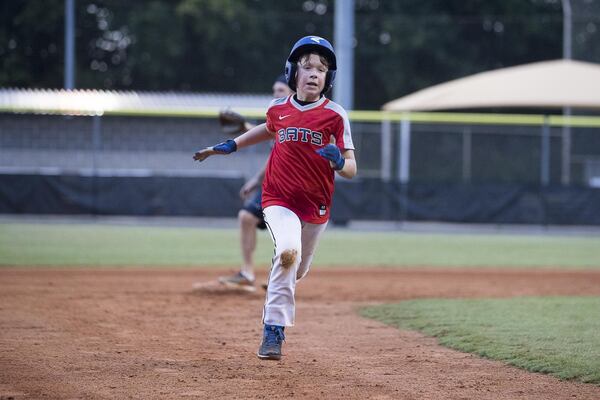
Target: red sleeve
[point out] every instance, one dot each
(338, 129)
(270, 126)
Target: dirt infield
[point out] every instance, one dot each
(133, 333)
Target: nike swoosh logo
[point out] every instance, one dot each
(283, 116)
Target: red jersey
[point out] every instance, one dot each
(297, 177)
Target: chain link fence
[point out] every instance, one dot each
(432, 152)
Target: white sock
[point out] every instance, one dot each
(247, 274)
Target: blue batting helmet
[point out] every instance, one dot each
(306, 45)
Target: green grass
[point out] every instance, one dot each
(555, 335)
(113, 245)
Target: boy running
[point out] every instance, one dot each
(312, 142)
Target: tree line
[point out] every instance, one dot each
(241, 45)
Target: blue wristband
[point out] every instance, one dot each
(227, 147)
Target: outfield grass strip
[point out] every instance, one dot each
(554, 335)
(113, 245)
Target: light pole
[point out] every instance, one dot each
(566, 130)
(69, 44)
(343, 91)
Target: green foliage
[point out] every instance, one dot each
(240, 45)
(31, 43)
(411, 45)
(97, 244)
(555, 335)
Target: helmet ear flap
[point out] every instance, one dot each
(329, 78)
(290, 74)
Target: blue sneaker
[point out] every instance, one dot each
(270, 348)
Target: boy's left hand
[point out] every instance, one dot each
(332, 153)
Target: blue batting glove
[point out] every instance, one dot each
(333, 154)
(226, 147)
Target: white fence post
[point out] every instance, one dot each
(404, 150)
(545, 153)
(386, 150)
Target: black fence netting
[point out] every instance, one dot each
(365, 199)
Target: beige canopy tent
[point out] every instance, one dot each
(547, 84)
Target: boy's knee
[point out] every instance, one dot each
(288, 257)
(302, 271)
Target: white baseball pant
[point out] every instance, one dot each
(295, 241)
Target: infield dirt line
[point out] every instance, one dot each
(137, 333)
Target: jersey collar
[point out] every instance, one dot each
(307, 107)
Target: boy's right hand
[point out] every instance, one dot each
(226, 147)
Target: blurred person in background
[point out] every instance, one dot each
(250, 216)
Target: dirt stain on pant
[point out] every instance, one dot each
(288, 257)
